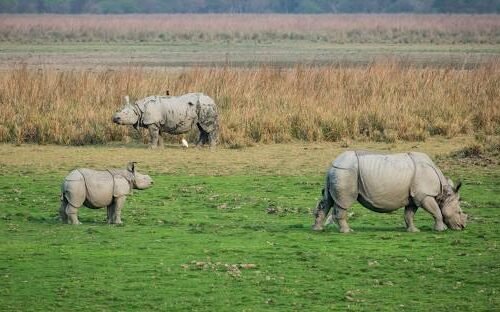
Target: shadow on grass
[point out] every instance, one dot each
(55, 220)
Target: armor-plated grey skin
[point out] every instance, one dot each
(99, 189)
(384, 183)
(173, 115)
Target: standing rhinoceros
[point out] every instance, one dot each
(384, 183)
(98, 189)
(173, 115)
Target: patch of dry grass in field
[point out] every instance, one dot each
(385, 102)
(275, 159)
(338, 28)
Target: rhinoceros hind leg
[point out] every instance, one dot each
(431, 206)
(72, 213)
(203, 139)
(409, 214)
(204, 136)
(340, 217)
(62, 210)
(318, 222)
(212, 138)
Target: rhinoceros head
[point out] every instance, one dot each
(127, 115)
(139, 181)
(450, 207)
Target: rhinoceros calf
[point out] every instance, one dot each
(99, 189)
(384, 183)
(173, 115)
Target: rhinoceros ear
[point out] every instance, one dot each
(459, 184)
(131, 166)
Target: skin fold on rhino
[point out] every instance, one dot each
(385, 183)
(173, 115)
(98, 189)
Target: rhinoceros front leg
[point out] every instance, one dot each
(409, 214)
(430, 205)
(115, 210)
(110, 213)
(154, 133)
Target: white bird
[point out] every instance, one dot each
(184, 143)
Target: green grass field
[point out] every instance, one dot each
(229, 230)
(68, 55)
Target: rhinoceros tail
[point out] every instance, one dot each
(327, 195)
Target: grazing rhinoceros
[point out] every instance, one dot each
(173, 115)
(98, 189)
(384, 183)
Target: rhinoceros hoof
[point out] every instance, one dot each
(317, 228)
(346, 230)
(440, 227)
(412, 230)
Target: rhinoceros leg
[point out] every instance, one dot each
(160, 139)
(204, 136)
(409, 214)
(116, 210)
(321, 211)
(110, 213)
(431, 206)
(154, 133)
(62, 210)
(72, 213)
(212, 138)
(340, 217)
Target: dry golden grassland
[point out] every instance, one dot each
(338, 28)
(381, 102)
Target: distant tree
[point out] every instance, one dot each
(417, 6)
(248, 6)
(26, 6)
(77, 6)
(309, 6)
(119, 6)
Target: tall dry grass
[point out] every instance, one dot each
(338, 28)
(382, 102)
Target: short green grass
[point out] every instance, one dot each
(243, 53)
(237, 241)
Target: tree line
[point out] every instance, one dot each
(248, 6)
